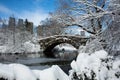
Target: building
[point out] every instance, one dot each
(12, 23)
(20, 24)
(29, 26)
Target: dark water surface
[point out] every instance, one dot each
(43, 63)
(40, 63)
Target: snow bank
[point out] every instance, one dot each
(53, 73)
(6, 72)
(96, 66)
(21, 72)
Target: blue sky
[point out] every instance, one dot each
(33, 10)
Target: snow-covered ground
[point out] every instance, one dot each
(95, 66)
(27, 47)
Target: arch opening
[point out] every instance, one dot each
(58, 50)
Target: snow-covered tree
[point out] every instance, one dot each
(13, 39)
(112, 34)
(51, 27)
(91, 15)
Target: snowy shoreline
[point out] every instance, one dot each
(96, 66)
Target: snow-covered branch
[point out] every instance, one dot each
(88, 3)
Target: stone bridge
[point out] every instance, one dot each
(48, 43)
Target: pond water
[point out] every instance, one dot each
(43, 63)
(63, 59)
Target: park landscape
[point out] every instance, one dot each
(60, 40)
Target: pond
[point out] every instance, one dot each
(63, 58)
(43, 63)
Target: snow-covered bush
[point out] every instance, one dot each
(3, 49)
(112, 37)
(96, 66)
(91, 47)
(31, 47)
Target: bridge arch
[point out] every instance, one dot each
(48, 50)
(47, 44)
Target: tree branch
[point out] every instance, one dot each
(91, 32)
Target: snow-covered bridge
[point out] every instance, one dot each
(48, 43)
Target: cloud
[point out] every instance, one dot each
(33, 16)
(4, 9)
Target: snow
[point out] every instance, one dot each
(3, 49)
(31, 47)
(91, 47)
(19, 42)
(116, 64)
(95, 66)
(112, 37)
(27, 47)
(6, 72)
(66, 47)
(53, 73)
(22, 72)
